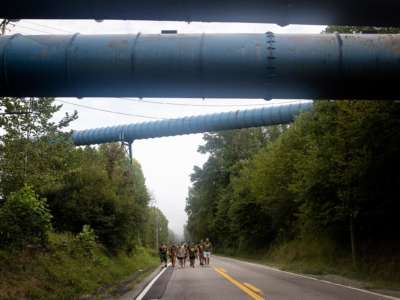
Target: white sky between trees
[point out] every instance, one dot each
(167, 162)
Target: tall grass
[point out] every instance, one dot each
(63, 271)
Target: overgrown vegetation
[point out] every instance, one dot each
(320, 195)
(321, 192)
(24, 219)
(94, 200)
(67, 270)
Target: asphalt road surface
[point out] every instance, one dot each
(232, 279)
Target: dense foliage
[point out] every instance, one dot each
(156, 230)
(326, 186)
(86, 189)
(103, 190)
(24, 220)
(332, 174)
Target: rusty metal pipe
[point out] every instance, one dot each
(202, 66)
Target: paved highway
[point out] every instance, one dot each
(232, 279)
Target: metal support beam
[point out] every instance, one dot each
(202, 66)
(270, 115)
(127, 145)
(130, 151)
(335, 12)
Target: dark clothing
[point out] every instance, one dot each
(192, 262)
(192, 256)
(192, 252)
(200, 250)
(163, 254)
(207, 246)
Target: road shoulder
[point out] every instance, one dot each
(327, 278)
(133, 293)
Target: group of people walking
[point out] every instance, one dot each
(186, 252)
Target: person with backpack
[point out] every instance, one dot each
(200, 251)
(172, 255)
(163, 252)
(181, 255)
(192, 255)
(186, 255)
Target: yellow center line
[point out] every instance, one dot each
(253, 288)
(245, 289)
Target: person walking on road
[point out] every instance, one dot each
(192, 255)
(200, 251)
(163, 252)
(186, 255)
(172, 255)
(207, 251)
(181, 255)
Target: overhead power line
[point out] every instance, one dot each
(30, 28)
(128, 114)
(24, 26)
(204, 105)
(50, 27)
(109, 111)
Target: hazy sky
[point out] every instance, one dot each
(166, 162)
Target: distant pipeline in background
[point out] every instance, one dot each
(269, 115)
(282, 12)
(269, 66)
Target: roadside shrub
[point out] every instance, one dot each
(24, 219)
(78, 245)
(86, 240)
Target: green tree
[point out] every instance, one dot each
(355, 165)
(104, 190)
(96, 187)
(211, 194)
(346, 170)
(24, 219)
(33, 148)
(361, 29)
(330, 175)
(156, 228)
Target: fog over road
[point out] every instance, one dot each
(232, 279)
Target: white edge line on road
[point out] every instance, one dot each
(316, 279)
(148, 287)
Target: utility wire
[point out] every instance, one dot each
(30, 28)
(109, 111)
(205, 105)
(50, 27)
(36, 29)
(117, 112)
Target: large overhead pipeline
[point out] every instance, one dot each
(269, 115)
(283, 12)
(321, 66)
